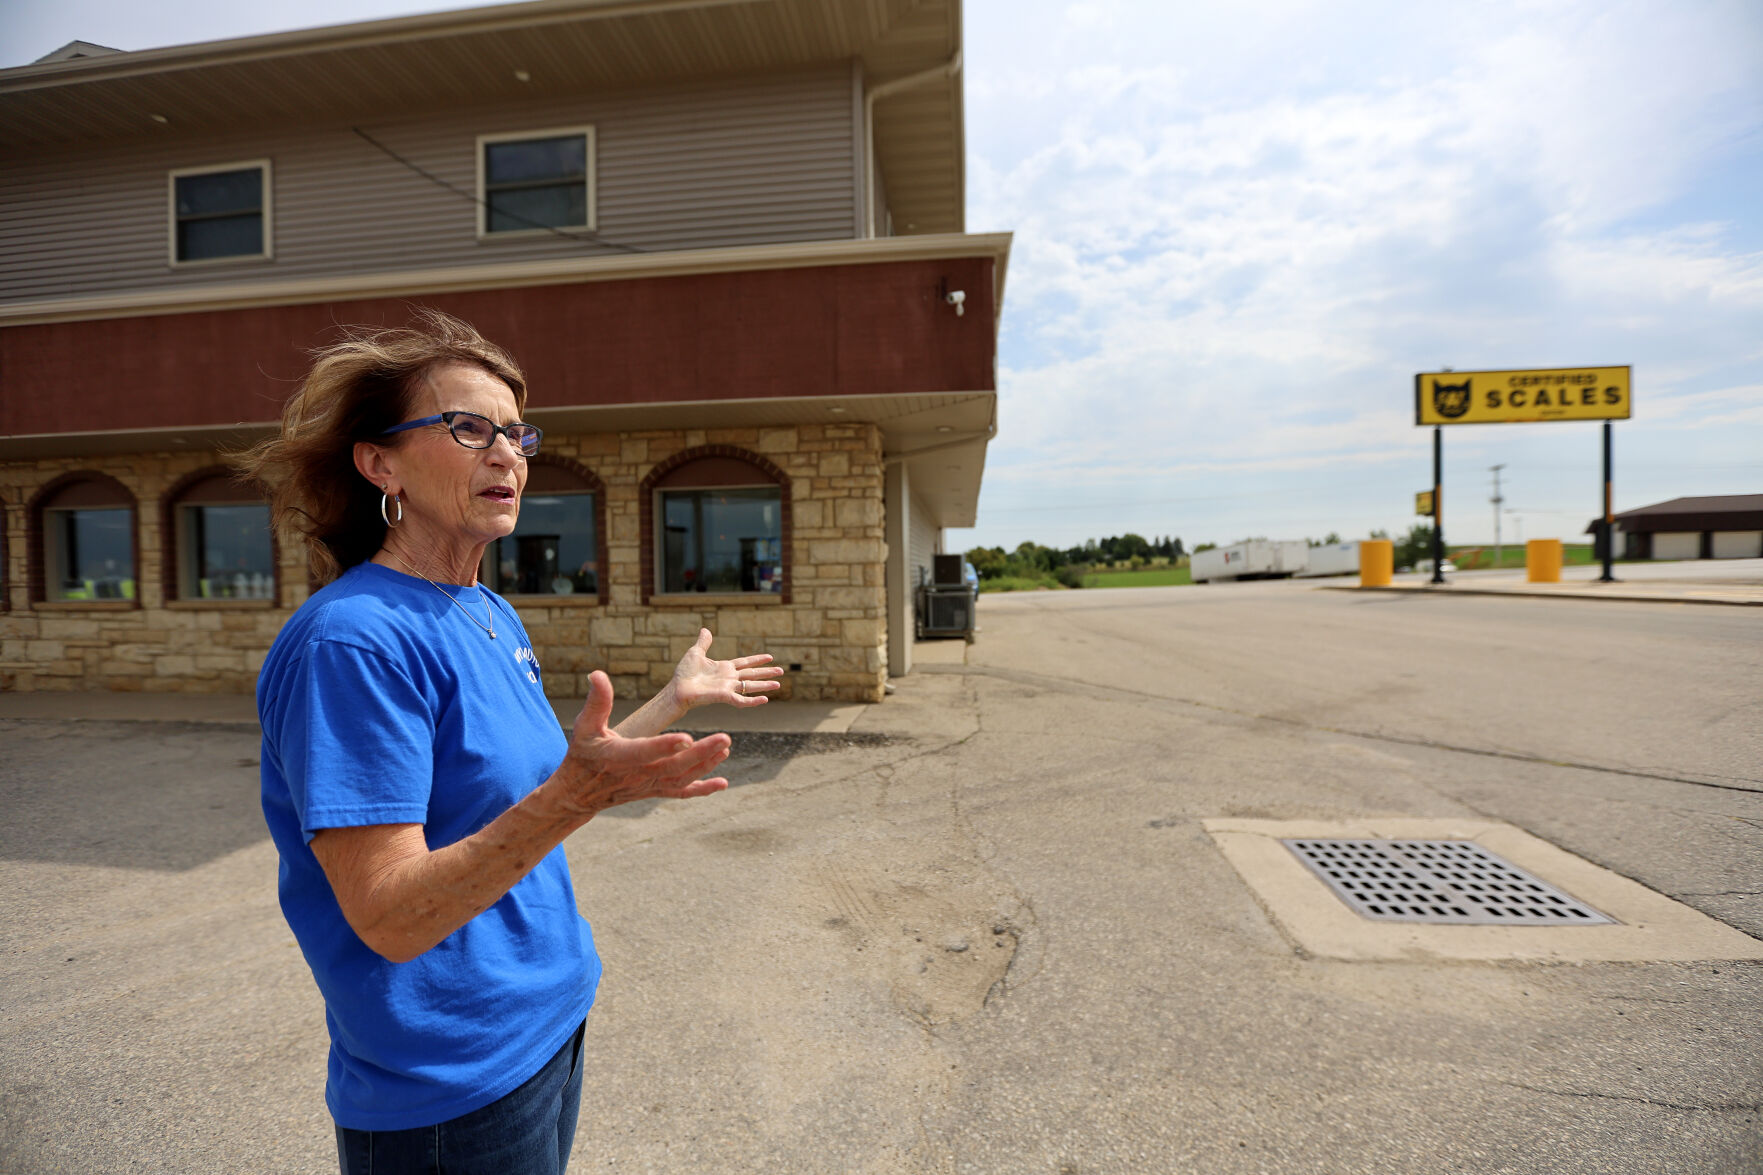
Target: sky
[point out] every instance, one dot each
(1241, 229)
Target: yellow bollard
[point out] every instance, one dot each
(1542, 560)
(1377, 557)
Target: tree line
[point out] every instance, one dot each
(1067, 565)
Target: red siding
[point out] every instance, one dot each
(834, 330)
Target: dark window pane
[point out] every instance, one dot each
(722, 540)
(556, 206)
(220, 192)
(552, 550)
(530, 160)
(94, 554)
(223, 236)
(228, 554)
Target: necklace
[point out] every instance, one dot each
(489, 609)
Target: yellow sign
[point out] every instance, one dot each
(1514, 397)
(1423, 503)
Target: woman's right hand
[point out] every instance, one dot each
(604, 769)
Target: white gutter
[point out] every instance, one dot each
(948, 69)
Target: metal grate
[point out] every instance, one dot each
(1447, 881)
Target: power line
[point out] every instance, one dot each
(578, 237)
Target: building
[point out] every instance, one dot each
(1727, 526)
(725, 240)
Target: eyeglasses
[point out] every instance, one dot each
(479, 432)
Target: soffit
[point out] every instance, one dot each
(444, 60)
(940, 437)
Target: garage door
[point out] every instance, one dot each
(1738, 544)
(1677, 545)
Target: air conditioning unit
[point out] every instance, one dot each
(946, 571)
(945, 612)
(950, 612)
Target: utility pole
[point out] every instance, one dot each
(1497, 499)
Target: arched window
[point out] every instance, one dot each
(716, 520)
(221, 546)
(558, 547)
(82, 545)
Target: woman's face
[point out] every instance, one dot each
(455, 497)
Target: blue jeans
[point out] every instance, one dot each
(529, 1132)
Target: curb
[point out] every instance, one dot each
(1535, 595)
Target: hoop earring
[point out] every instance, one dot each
(399, 502)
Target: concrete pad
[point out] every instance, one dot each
(1650, 926)
(101, 706)
(1738, 594)
(943, 652)
(771, 718)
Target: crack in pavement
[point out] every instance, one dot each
(1690, 1107)
(1025, 677)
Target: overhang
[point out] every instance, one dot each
(518, 52)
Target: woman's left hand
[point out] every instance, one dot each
(743, 681)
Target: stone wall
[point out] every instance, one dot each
(832, 626)
(151, 643)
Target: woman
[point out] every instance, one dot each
(415, 779)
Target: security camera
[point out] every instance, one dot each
(955, 298)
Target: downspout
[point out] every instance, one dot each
(948, 69)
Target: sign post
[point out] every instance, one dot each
(1438, 505)
(1609, 518)
(1521, 397)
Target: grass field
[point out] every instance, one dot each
(1149, 577)
(1482, 558)
(1017, 583)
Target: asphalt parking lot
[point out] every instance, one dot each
(983, 926)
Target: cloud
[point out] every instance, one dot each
(1233, 267)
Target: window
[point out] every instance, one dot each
(719, 519)
(86, 540)
(222, 544)
(555, 548)
(536, 181)
(221, 213)
(722, 540)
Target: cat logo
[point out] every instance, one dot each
(1450, 400)
(1517, 397)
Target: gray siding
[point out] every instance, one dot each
(734, 162)
(921, 541)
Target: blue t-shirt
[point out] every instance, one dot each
(382, 704)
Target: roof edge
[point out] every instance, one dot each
(423, 26)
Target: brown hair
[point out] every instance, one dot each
(355, 391)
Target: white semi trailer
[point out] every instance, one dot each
(1332, 559)
(1256, 559)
